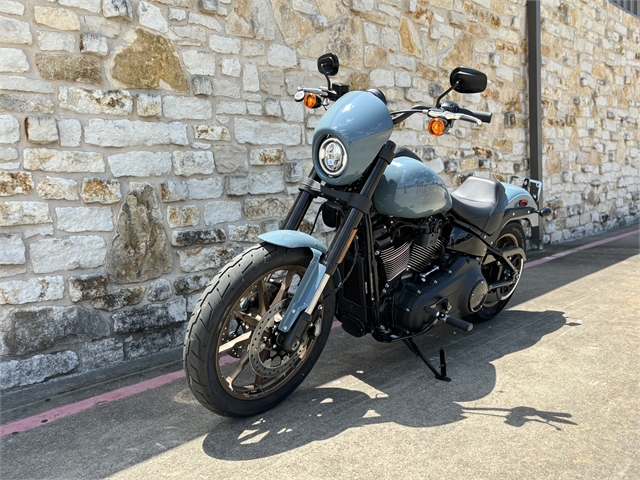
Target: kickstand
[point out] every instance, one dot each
(442, 374)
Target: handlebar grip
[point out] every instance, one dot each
(483, 116)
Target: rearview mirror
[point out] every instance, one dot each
(468, 80)
(328, 64)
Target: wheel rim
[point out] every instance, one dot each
(495, 273)
(232, 357)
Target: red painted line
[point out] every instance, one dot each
(124, 392)
(578, 249)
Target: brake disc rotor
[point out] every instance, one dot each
(267, 359)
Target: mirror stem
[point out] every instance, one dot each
(446, 92)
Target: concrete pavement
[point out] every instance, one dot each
(549, 389)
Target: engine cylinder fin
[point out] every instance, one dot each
(395, 259)
(423, 257)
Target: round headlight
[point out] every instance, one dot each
(333, 157)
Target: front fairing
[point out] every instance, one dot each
(362, 122)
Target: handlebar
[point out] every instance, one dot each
(482, 116)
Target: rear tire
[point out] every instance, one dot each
(222, 329)
(512, 235)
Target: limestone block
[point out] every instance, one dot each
(231, 108)
(159, 290)
(92, 43)
(24, 84)
(148, 105)
(267, 156)
(11, 7)
(13, 60)
(52, 188)
(84, 219)
(140, 248)
(266, 133)
(293, 172)
(201, 85)
(190, 35)
(230, 67)
(126, 133)
(117, 8)
(200, 189)
(43, 289)
(57, 41)
(140, 164)
(41, 130)
(193, 163)
(69, 68)
(119, 299)
(230, 158)
(93, 6)
(271, 207)
(9, 129)
(222, 211)
(101, 26)
(86, 287)
(292, 111)
(199, 63)
(209, 6)
(183, 216)
(147, 61)
(211, 132)
(68, 253)
(23, 213)
(25, 102)
(205, 20)
(245, 233)
(191, 283)
(188, 238)
(204, 258)
(58, 18)
(272, 107)
(15, 31)
(226, 88)
(250, 78)
(101, 190)
(100, 353)
(70, 132)
(282, 57)
(222, 44)
(150, 316)
(20, 373)
(255, 183)
(14, 183)
(179, 108)
(32, 329)
(49, 160)
(151, 17)
(149, 343)
(96, 102)
(173, 191)
(12, 249)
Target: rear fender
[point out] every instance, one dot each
(513, 210)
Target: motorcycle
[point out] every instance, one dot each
(406, 253)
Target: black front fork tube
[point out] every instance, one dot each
(300, 206)
(341, 242)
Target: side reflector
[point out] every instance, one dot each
(523, 203)
(311, 100)
(436, 127)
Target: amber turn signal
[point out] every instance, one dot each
(311, 100)
(436, 127)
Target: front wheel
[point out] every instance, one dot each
(512, 235)
(232, 358)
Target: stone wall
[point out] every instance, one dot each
(145, 143)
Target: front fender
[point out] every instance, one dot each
(312, 279)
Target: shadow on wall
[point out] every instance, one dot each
(355, 401)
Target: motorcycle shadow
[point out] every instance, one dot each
(358, 383)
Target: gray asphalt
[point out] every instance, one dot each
(548, 389)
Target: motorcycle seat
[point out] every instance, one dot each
(480, 202)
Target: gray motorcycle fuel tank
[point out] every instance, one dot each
(410, 189)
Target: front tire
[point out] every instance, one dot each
(511, 235)
(227, 336)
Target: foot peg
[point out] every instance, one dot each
(442, 374)
(449, 320)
